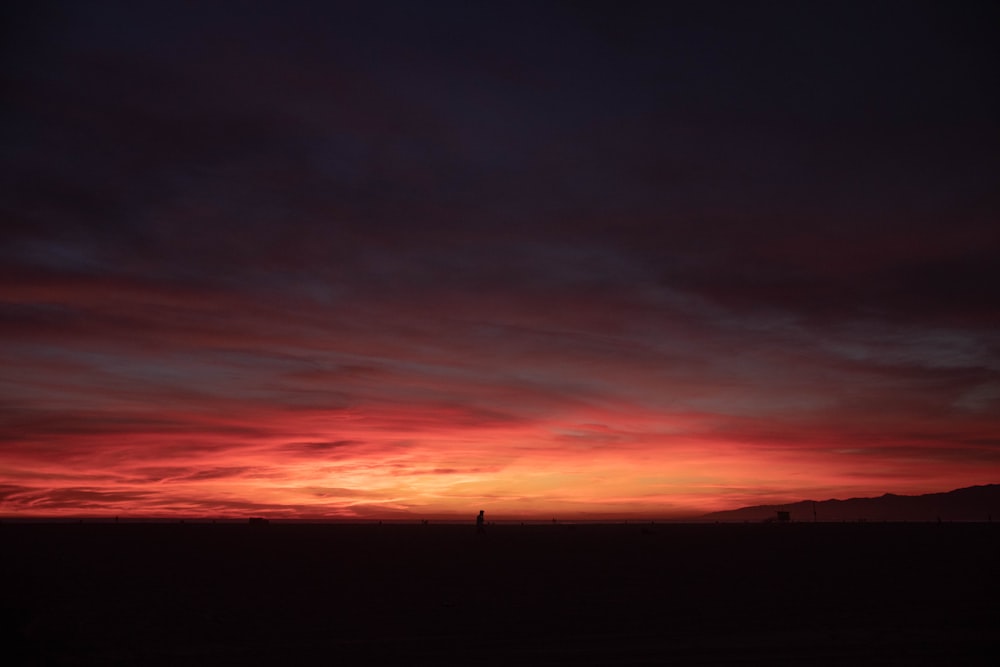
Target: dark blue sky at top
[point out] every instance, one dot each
(632, 185)
(687, 134)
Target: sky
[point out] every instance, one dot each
(402, 260)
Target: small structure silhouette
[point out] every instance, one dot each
(480, 524)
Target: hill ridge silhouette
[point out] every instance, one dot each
(971, 503)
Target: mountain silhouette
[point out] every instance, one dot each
(973, 503)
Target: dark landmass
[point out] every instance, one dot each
(974, 503)
(679, 594)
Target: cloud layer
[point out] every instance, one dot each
(417, 261)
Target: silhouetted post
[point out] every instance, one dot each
(814, 512)
(480, 524)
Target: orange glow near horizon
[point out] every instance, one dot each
(403, 463)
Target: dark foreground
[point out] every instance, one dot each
(799, 594)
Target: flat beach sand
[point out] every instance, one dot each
(615, 594)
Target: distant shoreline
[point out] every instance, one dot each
(457, 522)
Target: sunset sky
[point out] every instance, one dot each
(565, 259)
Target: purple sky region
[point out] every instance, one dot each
(394, 259)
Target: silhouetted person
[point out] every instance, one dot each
(480, 524)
